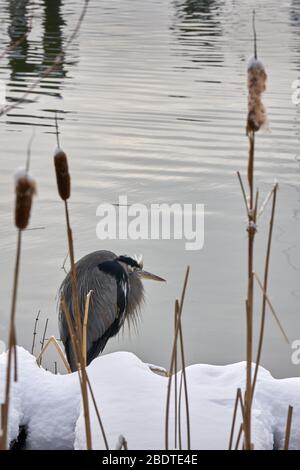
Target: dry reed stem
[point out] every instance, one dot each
(77, 349)
(75, 301)
(183, 374)
(266, 200)
(85, 321)
(52, 340)
(28, 159)
(272, 309)
(15, 355)
(288, 428)
(35, 332)
(122, 443)
(56, 130)
(78, 352)
(98, 414)
(57, 62)
(64, 263)
(78, 331)
(44, 338)
(179, 413)
(178, 310)
(12, 348)
(243, 192)
(250, 172)
(265, 285)
(255, 119)
(256, 204)
(249, 303)
(64, 189)
(239, 437)
(238, 400)
(254, 34)
(175, 387)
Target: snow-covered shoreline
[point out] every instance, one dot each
(131, 399)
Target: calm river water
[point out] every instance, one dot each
(152, 102)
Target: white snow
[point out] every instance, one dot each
(15, 416)
(132, 402)
(46, 403)
(57, 151)
(131, 399)
(255, 63)
(21, 173)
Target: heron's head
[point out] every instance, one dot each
(135, 266)
(135, 271)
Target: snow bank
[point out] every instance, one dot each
(15, 416)
(132, 402)
(47, 404)
(131, 399)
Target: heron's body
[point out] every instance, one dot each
(117, 293)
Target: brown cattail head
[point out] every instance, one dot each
(25, 189)
(257, 115)
(62, 174)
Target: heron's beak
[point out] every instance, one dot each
(146, 275)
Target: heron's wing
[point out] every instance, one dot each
(106, 309)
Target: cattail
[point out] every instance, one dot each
(62, 174)
(25, 190)
(257, 115)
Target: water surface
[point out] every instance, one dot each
(151, 101)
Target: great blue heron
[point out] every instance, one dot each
(117, 294)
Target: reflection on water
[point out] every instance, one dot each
(197, 24)
(33, 56)
(295, 23)
(53, 36)
(19, 26)
(202, 8)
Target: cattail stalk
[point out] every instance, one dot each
(63, 180)
(255, 120)
(11, 347)
(25, 188)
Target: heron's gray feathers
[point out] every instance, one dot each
(100, 272)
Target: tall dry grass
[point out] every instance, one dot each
(178, 337)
